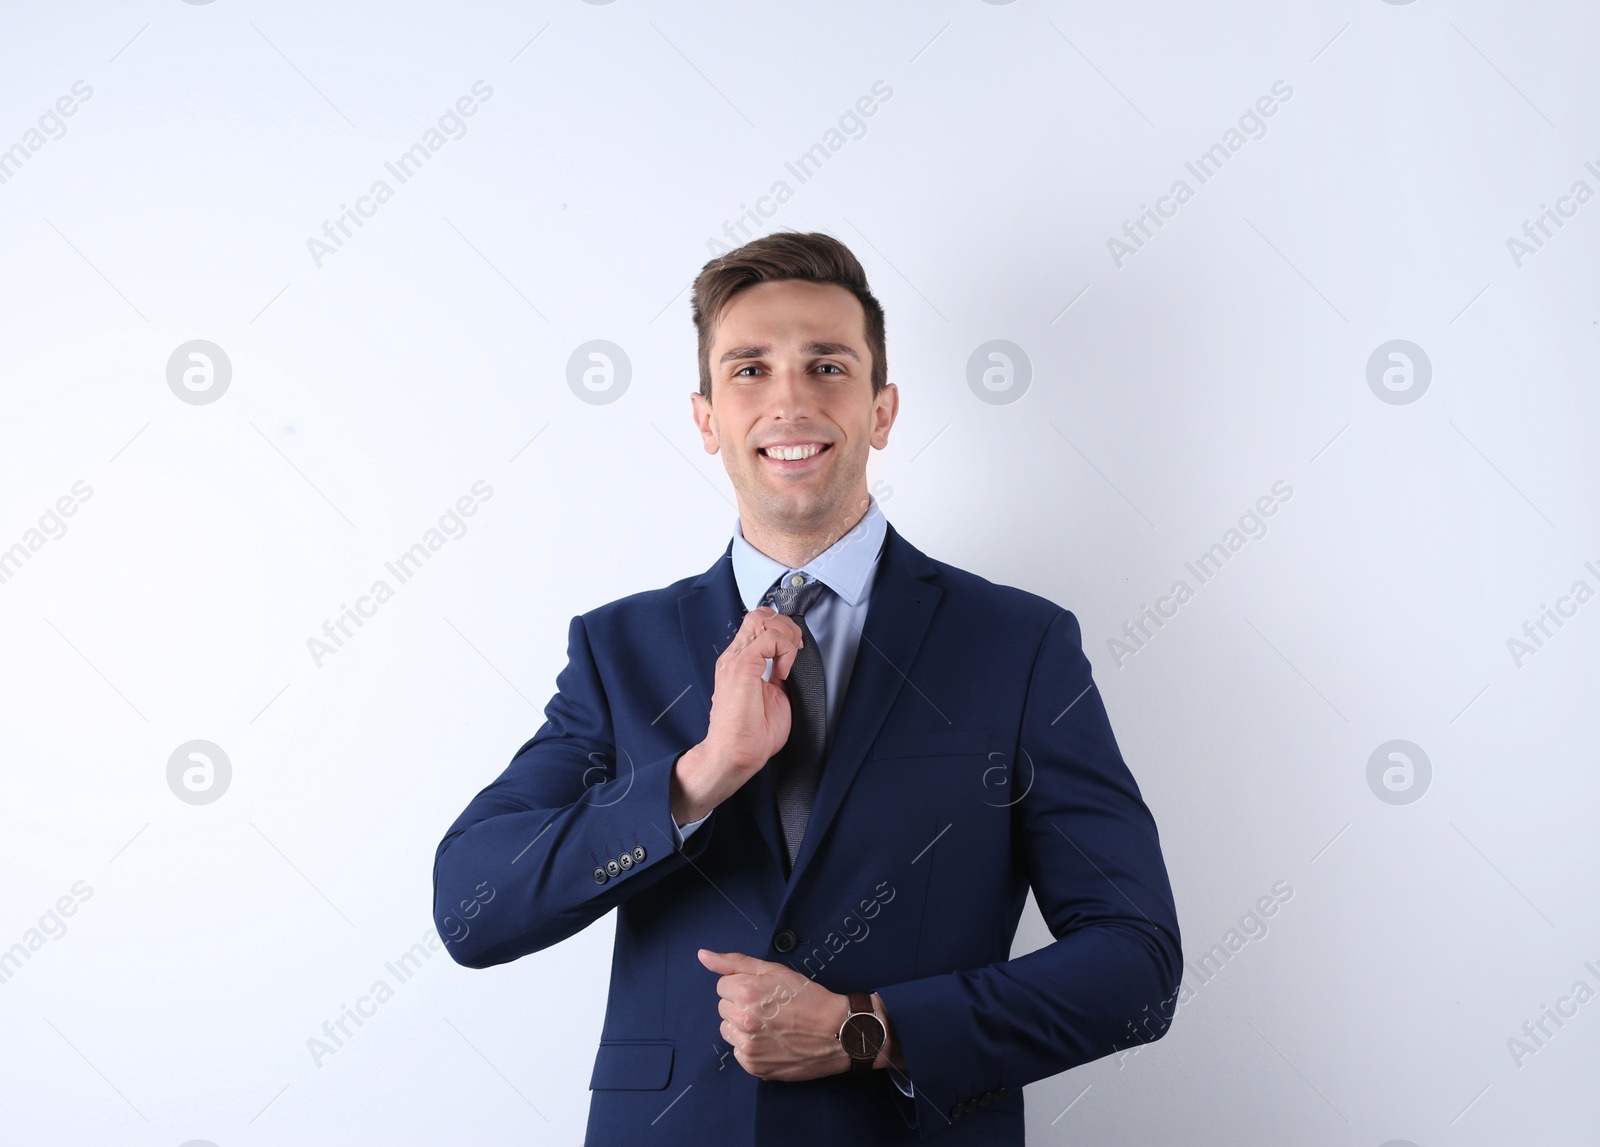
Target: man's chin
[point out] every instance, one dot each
(791, 506)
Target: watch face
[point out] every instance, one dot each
(862, 1036)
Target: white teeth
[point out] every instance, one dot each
(791, 453)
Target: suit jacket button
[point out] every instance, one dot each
(626, 860)
(600, 876)
(784, 941)
(613, 868)
(955, 1112)
(638, 854)
(971, 1105)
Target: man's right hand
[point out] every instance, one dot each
(750, 718)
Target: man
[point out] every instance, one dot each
(816, 782)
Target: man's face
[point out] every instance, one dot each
(790, 368)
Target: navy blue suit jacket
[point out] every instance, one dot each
(972, 760)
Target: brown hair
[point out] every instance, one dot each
(810, 256)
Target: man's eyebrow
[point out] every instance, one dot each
(733, 354)
(738, 352)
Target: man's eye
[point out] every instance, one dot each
(830, 366)
(742, 369)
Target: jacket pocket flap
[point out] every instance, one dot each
(633, 1066)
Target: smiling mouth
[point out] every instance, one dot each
(799, 453)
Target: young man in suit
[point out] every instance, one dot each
(817, 781)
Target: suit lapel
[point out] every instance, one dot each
(711, 614)
(901, 607)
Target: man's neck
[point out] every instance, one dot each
(795, 548)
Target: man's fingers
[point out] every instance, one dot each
(774, 642)
(779, 642)
(742, 1058)
(764, 632)
(735, 963)
(723, 963)
(760, 618)
(731, 988)
(738, 1015)
(782, 664)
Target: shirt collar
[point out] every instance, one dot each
(844, 567)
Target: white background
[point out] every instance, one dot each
(1168, 393)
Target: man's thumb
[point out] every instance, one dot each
(727, 963)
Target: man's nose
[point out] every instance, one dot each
(790, 391)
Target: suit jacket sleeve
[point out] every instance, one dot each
(1094, 861)
(516, 873)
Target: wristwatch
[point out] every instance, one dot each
(862, 1034)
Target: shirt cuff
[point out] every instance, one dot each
(679, 835)
(905, 1088)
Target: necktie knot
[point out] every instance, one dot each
(793, 594)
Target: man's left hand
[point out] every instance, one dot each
(781, 1024)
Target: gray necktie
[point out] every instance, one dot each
(796, 768)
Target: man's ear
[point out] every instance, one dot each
(885, 408)
(700, 408)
